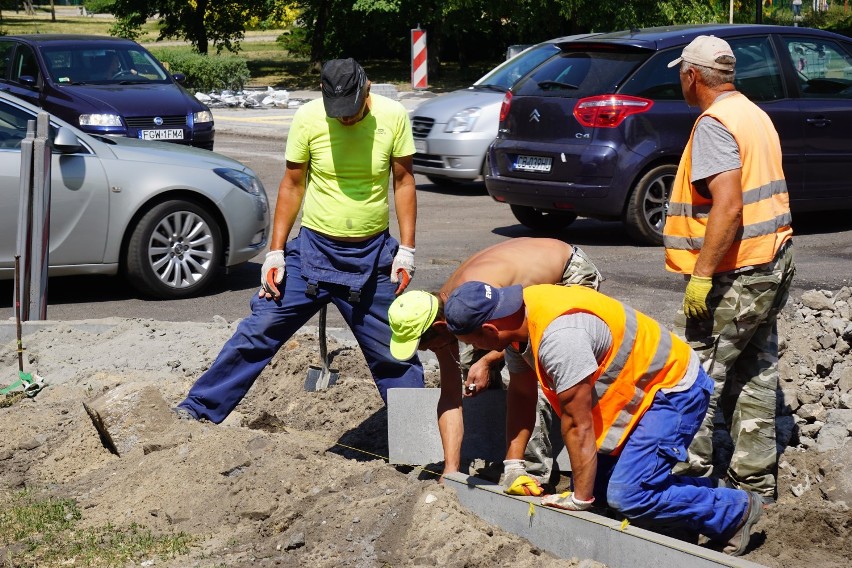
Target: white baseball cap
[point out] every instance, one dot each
(704, 51)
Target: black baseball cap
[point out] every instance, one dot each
(343, 82)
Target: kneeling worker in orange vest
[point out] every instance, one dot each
(630, 394)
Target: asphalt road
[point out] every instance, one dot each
(452, 224)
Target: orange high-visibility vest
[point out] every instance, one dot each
(644, 357)
(766, 206)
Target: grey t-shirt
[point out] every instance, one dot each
(572, 348)
(714, 150)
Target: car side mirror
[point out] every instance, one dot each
(28, 80)
(179, 77)
(66, 141)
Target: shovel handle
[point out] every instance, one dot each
(322, 343)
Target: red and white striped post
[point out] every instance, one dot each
(418, 59)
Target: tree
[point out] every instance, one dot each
(200, 22)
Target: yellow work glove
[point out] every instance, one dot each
(695, 298)
(517, 482)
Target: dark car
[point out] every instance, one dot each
(599, 130)
(104, 85)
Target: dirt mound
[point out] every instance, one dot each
(297, 478)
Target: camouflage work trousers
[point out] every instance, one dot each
(538, 455)
(738, 348)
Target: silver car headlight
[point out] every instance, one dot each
(246, 182)
(100, 120)
(202, 116)
(463, 120)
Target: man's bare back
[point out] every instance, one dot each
(525, 261)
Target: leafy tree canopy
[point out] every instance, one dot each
(221, 23)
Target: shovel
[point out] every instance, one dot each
(29, 383)
(320, 378)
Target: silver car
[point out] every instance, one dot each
(166, 216)
(452, 132)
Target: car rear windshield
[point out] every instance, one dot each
(582, 72)
(506, 74)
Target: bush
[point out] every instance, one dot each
(98, 6)
(295, 42)
(206, 73)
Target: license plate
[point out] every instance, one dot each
(162, 134)
(538, 164)
(420, 146)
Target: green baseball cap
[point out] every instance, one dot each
(410, 315)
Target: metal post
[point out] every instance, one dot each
(25, 206)
(41, 217)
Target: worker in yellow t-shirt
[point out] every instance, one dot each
(341, 151)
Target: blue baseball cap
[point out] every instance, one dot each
(474, 303)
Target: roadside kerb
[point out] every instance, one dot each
(580, 534)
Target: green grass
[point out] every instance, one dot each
(43, 532)
(268, 63)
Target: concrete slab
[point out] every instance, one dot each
(128, 418)
(414, 439)
(570, 534)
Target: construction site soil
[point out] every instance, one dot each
(296, 478)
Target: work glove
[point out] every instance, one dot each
(402, 270)
(566, 501)
(695, 298)
(272, 273)
(517, 482)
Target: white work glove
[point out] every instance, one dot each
(517, 482)
(402, 270)
(566, 501)
(272, 273)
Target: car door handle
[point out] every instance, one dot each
(818, 122)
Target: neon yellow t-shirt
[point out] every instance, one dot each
(348, 166)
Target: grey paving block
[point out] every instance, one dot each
(414, 439)
(568, 534)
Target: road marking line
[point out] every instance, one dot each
(257, 119)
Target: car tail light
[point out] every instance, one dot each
(606, 111)
(504, 108)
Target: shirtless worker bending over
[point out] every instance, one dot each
(417, 318)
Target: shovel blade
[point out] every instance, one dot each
(319, 378)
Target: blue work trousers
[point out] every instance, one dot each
(639, 483)
(272, 322)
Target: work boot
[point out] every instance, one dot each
(738, 543)
(183, 414)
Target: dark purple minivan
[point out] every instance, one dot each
(598, 130)
(104, 85)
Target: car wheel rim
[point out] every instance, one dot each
(180, 250)
(657, 201)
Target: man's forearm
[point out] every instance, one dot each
(521, 399)
(291, 192)
(582, 451)
(450, 419)
(405, 199)
(723, 222)
(451, 428)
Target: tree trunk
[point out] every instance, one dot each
(320, 25)
(28, 8)
(198, 29)
(52, 11)
(433, 50)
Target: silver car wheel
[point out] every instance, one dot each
(174, 250)
(648, 204)
(657, 201)
(181, 249)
